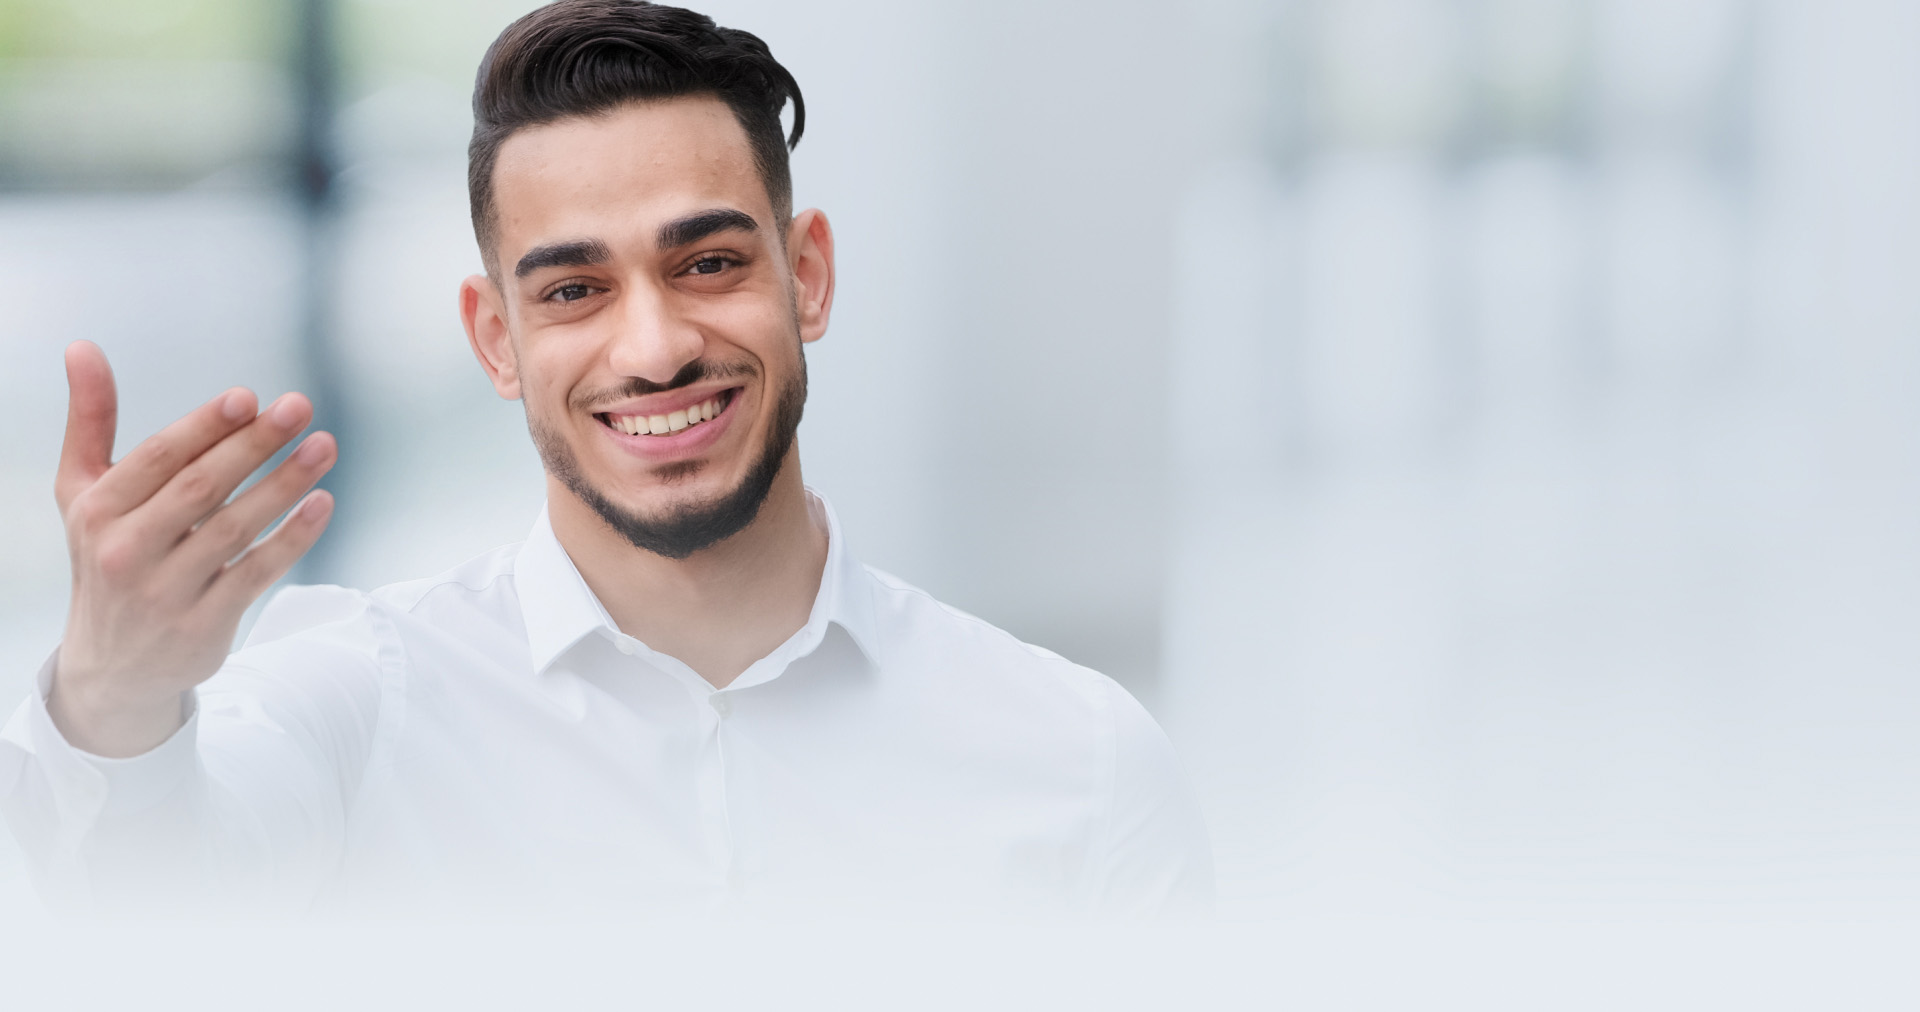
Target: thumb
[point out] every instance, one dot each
(93, 411)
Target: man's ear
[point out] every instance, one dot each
(810, 256)
(485, 318)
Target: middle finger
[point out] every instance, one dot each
(200, 487)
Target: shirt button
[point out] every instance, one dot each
(721, 702)
(624, 645)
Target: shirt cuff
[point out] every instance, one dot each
(86, 787)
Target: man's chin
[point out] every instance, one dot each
(683, 511)
(680, 473)
(665, 504)
(689, 524)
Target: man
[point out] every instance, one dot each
(681, 693)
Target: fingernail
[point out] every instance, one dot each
(316, 507)
(285, 412)
(311, 450)
(235, 406)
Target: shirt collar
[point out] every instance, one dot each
(560, 609)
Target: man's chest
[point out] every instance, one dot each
(656, 794)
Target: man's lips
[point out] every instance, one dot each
(667, 416)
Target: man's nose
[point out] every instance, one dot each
(653, 340)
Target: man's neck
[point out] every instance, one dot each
(721, 608)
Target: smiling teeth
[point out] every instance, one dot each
(661, 425)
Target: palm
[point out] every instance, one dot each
(163, 564)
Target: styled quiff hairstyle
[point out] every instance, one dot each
(585, 57)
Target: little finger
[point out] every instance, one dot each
(249, 576)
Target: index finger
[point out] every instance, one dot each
(138, 475)
(93, 409)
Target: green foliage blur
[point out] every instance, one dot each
(163, 30)
(161, 94)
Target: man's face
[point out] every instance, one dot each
(650, 315)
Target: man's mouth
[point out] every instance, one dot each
(671, 422)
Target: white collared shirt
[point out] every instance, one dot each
(488, 739)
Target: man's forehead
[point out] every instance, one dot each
(627, 170)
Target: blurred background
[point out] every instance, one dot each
(1483, 432)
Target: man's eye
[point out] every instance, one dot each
(710, 265)
(571, 293)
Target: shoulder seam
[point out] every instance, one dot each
(504, 568)
(462, 584)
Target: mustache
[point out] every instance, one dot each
(697, 371)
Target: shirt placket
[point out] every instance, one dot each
(720, 703)
(708, 712)
(714, 709)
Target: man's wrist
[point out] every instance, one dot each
(113, 728)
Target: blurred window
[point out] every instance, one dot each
(147, 94)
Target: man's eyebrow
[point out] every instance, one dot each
(700, 224)
(577, 253)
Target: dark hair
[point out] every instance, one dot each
(582, 57)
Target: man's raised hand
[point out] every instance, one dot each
(163, 564)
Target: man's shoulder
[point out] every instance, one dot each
(303, 609)
(926, 632)
(1017, 692)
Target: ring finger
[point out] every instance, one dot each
(229, 530)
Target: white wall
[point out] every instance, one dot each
(1576, 578)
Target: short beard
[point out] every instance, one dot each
(693, 526)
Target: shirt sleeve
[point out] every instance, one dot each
(1152, 857)
(245, 805)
